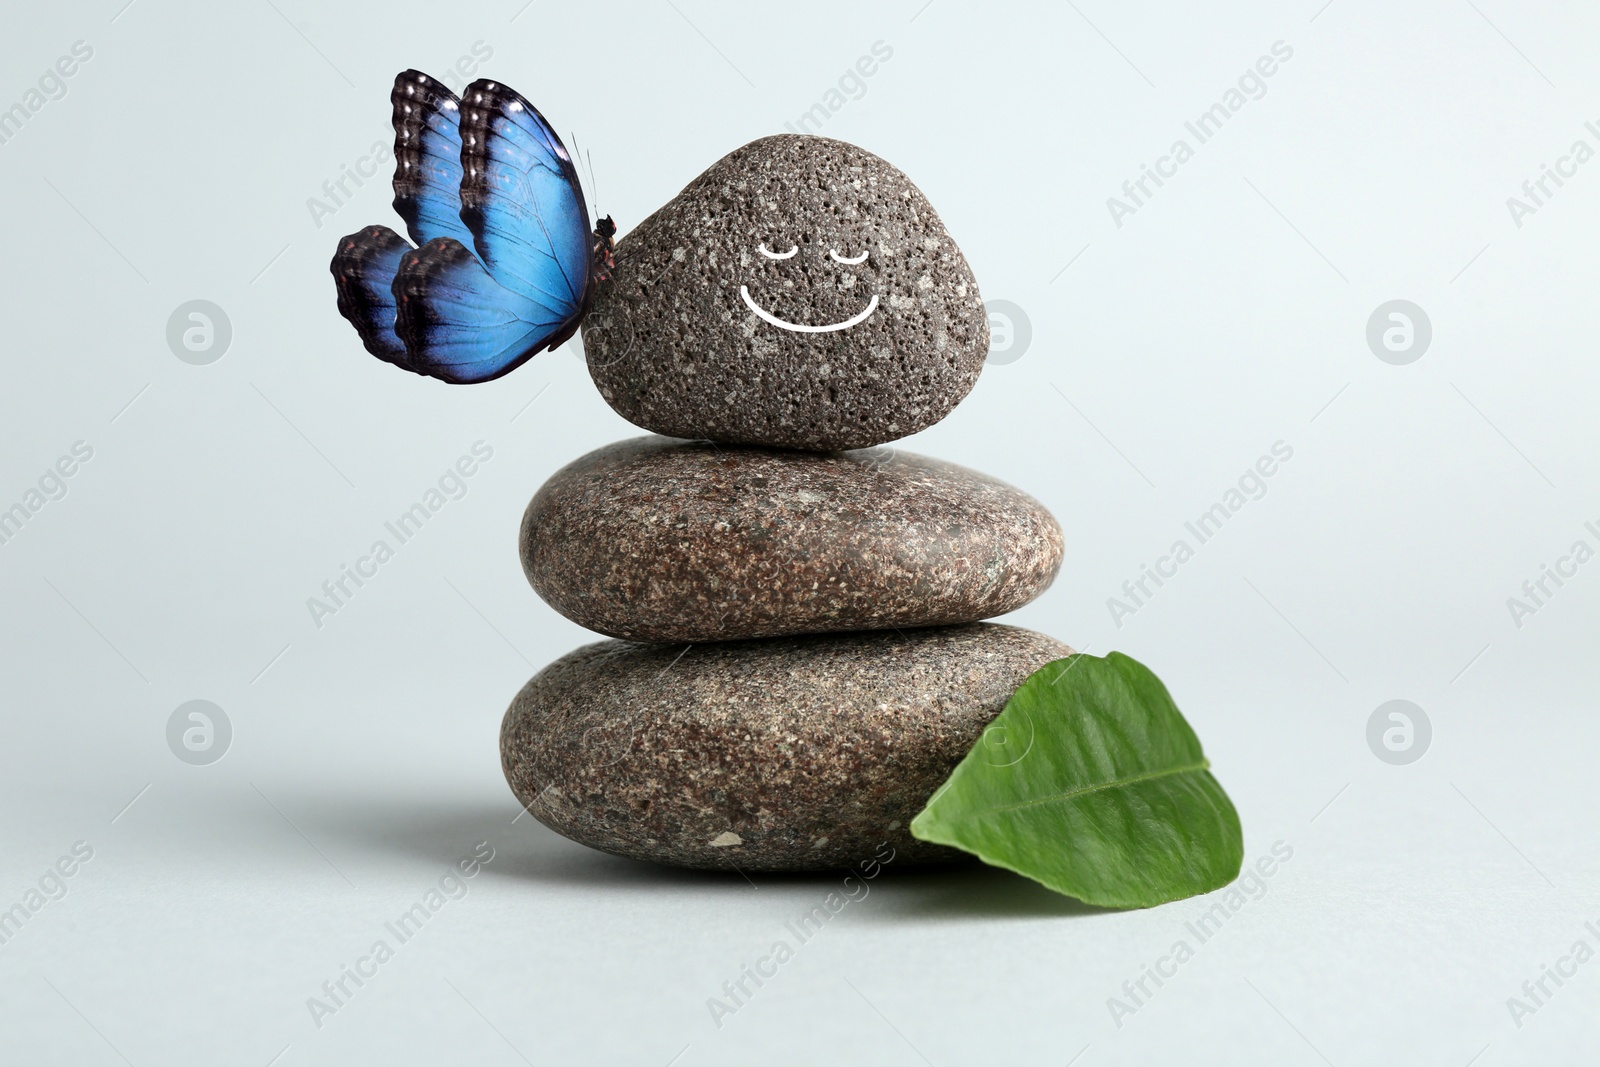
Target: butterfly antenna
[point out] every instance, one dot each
(583, 155)
(577, 156)
(593, 183)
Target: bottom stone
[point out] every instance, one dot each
(787, 754)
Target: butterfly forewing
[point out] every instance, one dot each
(521, 199)
(427, 158)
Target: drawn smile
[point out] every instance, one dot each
(860, 317)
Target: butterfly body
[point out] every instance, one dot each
(605, 248)
(501, 264)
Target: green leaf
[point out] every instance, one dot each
(1091, 783)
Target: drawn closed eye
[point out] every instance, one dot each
(777, 255)
(837, 258)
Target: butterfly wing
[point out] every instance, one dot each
(490, 175)
(521, 199)
(462, 326)
(427, 158)
(364, 268)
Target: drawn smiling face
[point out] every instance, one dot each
(801, 293)
(806, 327)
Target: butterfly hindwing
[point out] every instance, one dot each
(459, 324)
(363, 268)
(427, 158)
(521, 199)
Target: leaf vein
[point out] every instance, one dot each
(1116, 783)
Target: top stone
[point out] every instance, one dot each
(801, 293)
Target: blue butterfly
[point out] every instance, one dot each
(503, 264)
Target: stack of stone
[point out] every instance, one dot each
(799, 660)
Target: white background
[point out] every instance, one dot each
(1227, 314)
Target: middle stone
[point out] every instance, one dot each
(654, 539)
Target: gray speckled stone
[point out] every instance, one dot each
(660, 540)
(789, 754)
(675, 348)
